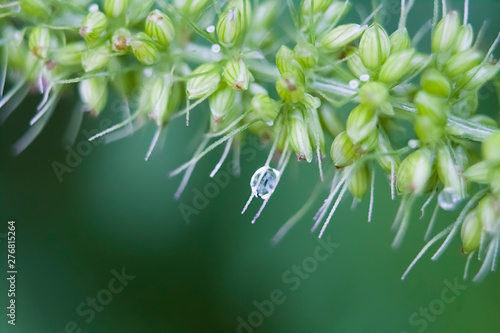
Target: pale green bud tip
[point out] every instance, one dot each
(359, 182)
(94, 93)
(414, 172)
(491, 149)
(94, 59)
(120, 40)
(449, 171)
(93, 26)
(204, 82)
(160, 27)
(489, 214)
(355, 64)
(306, 55)
(463, 62)
(361, 123)
(144, 48)
(435, 83)
(464, 39)
(39, 42)
(192, 7)
(396, 67)
(319, 6)
(221, 102)
(373, 94)
(115, 8)
(445, 34)
(478, 76)
(431, 107)
(230, 26)
(36, 8)
(374, 47)
(237, 75)
(471, 232)
(291, 87)
(341, 36)
(400, 40)
(478, 173)
(70, 54)
(286, 62)
(343, 152)
(298, 136)
(160, 97)
(264, 108)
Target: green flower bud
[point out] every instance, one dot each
(94, 93)
(222, 102)
(115, 8)
(491, 148)
(449, 171)
(291, 87)
(318, 7)
(463, 62)
(435, 83)
(204, 82)
(329, 17)
(431, 107)
(427, 130)
(343, 152)
(93, 26)
(35, 8)
(466, 106)
(359, 182)
(314, 130)
(94, 59)
(400, 40)
(144, 48)
(368, 144)
(373, 94)
(471, 232)
(445, 33)
(286, 62)
(415, 172)
(265, 15)
(341, 36)
(330, 120)
(489, 214)
(192, 7)
(418, 63)
(243, 6)
(361, 122)
(230, 26)
(237, 75)
(264, 108)
(478, 173)
(387, 163)
(120, 40)
(161, 91)
(160, 27)
(139, 10)
(495, 180)
(311, 102)
(484, 120)
(306, 55)
(387, 109)
(298, 135)
(69, 54)
(396, 67)
(477, 77)
(355, 64)
(39, 42)
(464, 39)
(374, 47)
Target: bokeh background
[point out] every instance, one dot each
(114, 210)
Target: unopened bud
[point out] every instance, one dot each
(230, 26)
(115, 8)
(341, 36)
(94, 93)
(94, 59)
(264, 107)
(464, 39)
(298, 135)
(361, 122)
(69, 54)
(237, 75)
(478, 76)
(333, 14)
(330, 120)
(316, 135)
(478, 173)
(431, 107)
(93, 26)
(35, 8)
(192, 7)
(445, 34)
(489, 214)
(160, 27)
(160, 96)
(491, 149)
(427, 130)
(343, 151)
(314, 7)
(291, 87)
(222, 102)
(396, 67)
(359, 182)
(355, 64)
(400, 41)
(39, 42)
(435, 83)
(265, 15)
(449, 171)
(311, 102)
(306, 55)
(374, 47)
(144, 48)
(120, 40)
(471, 232)
(415, 171)
(373, 94)
(204, 82)
(387, 162)
(286, 62)
(463, 62)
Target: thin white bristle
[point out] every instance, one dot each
(153, 143)
(370, 208)
(334, 208)
(431, 222)
(190, 170)
(427, 202)
(467, 265)
(466, 12)
(115, 127)
(223, 158)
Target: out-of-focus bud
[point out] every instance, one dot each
(418, 62)
(115, 8)
(330, 120)
(39, 42)
(387, 109)
(291, 87)
(373, 94)
(374, 47)
(237, 75)
(318, 7)
(286, 62)
(160, 97)
(484, 120)
(341, 36)
(491, 149)
(388, 162)
(298, 135)
(192, 7)
(343, 152)
(359, 182)
(160, 27)
(449, 171)
(264, 107)
(230, 26)
(445, 34)
(330, 16)
(478, 173)
(368, 144)
(120, 40)
(306, 55)
(69, 54)
(464, 39)
(144, 48)
(245, 7)
(139, 10)
(355, 64)
(435, 83)
(222, 102)
(415, 171)
(94, 59)
(489, 214)
(400, 41)
(265, 15)
(204, 82)
(477, 77)
(35, 8)
(431, 107)
(311, 102)
(396, 67)
(94, 93)
(427, 130)
(361, 122)
(463, 62)
(316, 135)
(93, 26)
(467, 105)
(471, 232)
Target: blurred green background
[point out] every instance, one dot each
(115, 211)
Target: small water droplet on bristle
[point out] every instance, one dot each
(211, 28)
(215, 48)
(264, 181)
(448, 199)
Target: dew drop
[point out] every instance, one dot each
(448, 199)
(264, 181)
(215, 48)
(93, 8)
(354, 84)
(211, 28)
